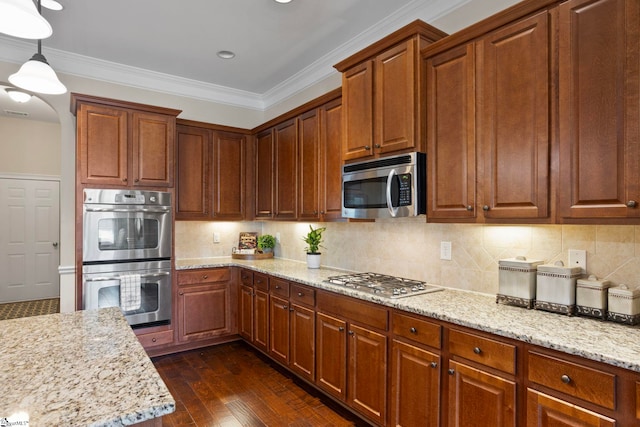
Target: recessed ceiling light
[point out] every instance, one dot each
(226, 54)
(18, 95)
(283, 1)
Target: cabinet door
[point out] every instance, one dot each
(102, 145)
(309, 165)
(246, 312)
(599, 109)
(415, 386)
(331, 355)
(477, 398)
(395, 99)
(286, 171)
(303, 342)
(228, 176)
(514, 131)
(331, 160)
(264, 175)
(192, 186)
(547, 411)
(261, 320)
(367, 373)
(279, 329)
(451, 127)
(153, 149)
(357, 104)
(204, 311)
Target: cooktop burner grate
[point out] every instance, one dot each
(382, 284)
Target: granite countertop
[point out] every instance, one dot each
(84, 368)
(608, 342)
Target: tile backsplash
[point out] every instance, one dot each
(411, 247)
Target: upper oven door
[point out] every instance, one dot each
(126, 232)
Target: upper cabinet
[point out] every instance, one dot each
(599, 82)
(382, 92)
(123, 144)
(210, 173)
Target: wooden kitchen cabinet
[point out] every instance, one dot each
(265, 169)
(488, 122)
(124, 144)
(309, 166)
(302, 334)
(382, 92)
(261, 312)
(246, 310)
(205, 298)
(211, 173)
(286, 170)
(599, 109)
(331, 160)
(547, 411)
(331, 355)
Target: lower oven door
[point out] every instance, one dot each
(102, 285)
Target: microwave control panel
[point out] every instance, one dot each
(404, 196)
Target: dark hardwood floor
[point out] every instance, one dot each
(230, 385)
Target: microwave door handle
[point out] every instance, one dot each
(392, 211)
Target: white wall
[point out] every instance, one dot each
(28, 147)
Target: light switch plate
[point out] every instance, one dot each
(578, 258)
(216, 237)
(445, 251)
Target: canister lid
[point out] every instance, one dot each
(520, 262)
(625, 291)
(559, 268)
(593, 282)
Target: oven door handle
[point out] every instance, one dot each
(128, 210)
(142, 276)
(392, 211)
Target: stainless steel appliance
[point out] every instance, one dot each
(383, 285)
(127, 246)
(124, 225)
(102, 288)
(389, 187)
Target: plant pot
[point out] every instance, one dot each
(313, 260)
(267, 250)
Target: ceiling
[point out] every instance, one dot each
(171, 46)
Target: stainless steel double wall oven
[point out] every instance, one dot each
(126, 251)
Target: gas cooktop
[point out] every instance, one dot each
(383, 285)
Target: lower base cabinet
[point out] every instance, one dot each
(547, 411)
(302, 351)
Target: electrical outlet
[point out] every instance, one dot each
(277, 237)
(216, 237)
(578, 258)
(445, 251)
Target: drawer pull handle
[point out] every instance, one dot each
(154, 339)
(300, 294)
(413, 330)
(434, 364)
(451, 371)
(341, 329)
(565, 379)
(477, 350)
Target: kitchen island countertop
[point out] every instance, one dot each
(603, 341)
(84, 368)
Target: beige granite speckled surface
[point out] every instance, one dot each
(617, 345)
(85, 368)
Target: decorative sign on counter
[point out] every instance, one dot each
(247, 242)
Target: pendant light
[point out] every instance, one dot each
(18, 95)
(19, 18)
(51, 4)
(36, 75)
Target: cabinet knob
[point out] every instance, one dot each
(137, 180)
(469, 208)
(485, 208)
(181, 293)
(124, 179)
(632, 204)
(477, 350)
(367, 147)
(300, 294)
(451, 371)
(321, 212)
(154, 339)
(206, 276)
(377, 146)
(413, 330)
(277, 286)
(291, 309)
(284, 307)
(434, 364)
(352, 333)
(341, 329)
(565, 379)
(315, 212)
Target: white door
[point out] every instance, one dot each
(29, 233)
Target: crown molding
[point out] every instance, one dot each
(18, 51)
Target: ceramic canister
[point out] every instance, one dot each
(556, 288)
(517, 281)
(624, 305)
(592, 296)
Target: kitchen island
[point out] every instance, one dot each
(84, 368)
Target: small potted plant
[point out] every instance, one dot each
(313, 239)
(266, 243)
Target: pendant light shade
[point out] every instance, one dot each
(18, 95)
(36, 75)
(51, 4)
(20, 18)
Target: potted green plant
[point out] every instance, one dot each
(266, 243)
(313, 239)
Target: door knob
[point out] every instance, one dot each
(55, 244)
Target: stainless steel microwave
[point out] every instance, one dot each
(389, 187)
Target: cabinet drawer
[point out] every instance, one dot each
(302, 295)
(279, 287)
(261, 281)
(417, 330)
(494, 354)
(585, 383)
(246, 277)
(155, 339)
(353, 309)
(208, 275)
